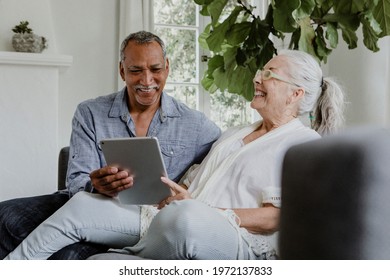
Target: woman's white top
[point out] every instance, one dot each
(234, 175)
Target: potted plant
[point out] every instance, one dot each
(24, 40)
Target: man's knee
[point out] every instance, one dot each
(83, 201)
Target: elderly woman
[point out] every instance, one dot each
(228, 206)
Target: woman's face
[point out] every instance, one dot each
(273, 96)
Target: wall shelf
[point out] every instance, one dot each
(37, 59)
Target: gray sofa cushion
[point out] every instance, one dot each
(335, 197)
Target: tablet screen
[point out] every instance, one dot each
(141, 157)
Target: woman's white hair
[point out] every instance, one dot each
(324, 98)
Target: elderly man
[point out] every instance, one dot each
(141, 108)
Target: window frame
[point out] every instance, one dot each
(203, 98)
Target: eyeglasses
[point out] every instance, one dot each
(268, 74)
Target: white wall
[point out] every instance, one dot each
(87, 30)
(29, 122)
(36, 12)
(365, 76)
(84, 29)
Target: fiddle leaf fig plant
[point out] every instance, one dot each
(240, 42)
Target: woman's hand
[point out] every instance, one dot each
(178, 192)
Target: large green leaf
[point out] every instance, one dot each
(307, 36)
(347, 21)
(294, 40)
(371, 31)
(230, 58)
(204, 4)
(322, 52)
(264, 55)
(238, 33)
(322, 8)
(241, 82)
(304, 10)
(203, 36)
(282, 14)
(208, 84)
(221, 79)
(241, 57)
(332, 35)
(381, 13)
(349, 37)
(351, 22)
(215, 9)
(215, 62)
(217, 36)
(349, 6)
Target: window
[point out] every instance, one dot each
(179, 24)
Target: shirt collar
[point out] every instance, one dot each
(119, 107)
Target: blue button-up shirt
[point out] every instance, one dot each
(185, 135)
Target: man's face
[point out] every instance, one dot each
(145, 72)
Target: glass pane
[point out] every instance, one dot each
(177, 12)
(229, 110)
(181, 52)
(186, 94)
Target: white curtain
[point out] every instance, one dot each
(134, 15)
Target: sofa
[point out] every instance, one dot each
(335, 197)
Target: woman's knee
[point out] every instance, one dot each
(187, 217)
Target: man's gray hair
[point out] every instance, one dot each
(142, 37)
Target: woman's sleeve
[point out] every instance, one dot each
(190, 175)
(272, 195)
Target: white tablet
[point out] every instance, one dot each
(141, 157)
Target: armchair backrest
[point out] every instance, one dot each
(63, 159)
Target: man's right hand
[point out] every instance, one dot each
(110, 180)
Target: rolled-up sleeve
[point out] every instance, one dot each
(84, 156)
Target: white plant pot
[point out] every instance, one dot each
(28, 42)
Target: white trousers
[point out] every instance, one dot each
(185, 229)
(85, 217)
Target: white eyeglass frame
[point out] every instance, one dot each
(267, 74)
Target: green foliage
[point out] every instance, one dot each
(22, 28)
(239, 41)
